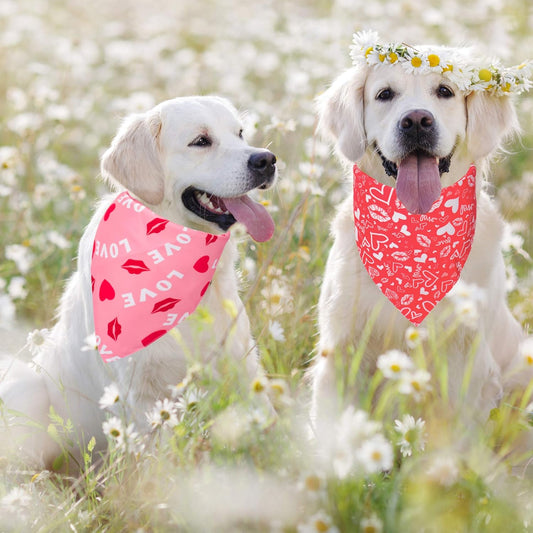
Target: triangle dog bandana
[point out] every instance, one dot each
(147, 275)
(414, 259)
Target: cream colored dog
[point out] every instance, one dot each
(423, 126)
(187, 160)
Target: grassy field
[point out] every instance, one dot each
(70, 70)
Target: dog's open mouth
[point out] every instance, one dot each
(226, 211)
(418, 184)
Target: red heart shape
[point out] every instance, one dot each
(106, 291)
(210, 238)
(202, 265)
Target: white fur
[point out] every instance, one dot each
(150, 156)
(476, 125)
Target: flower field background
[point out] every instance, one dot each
(215, 462)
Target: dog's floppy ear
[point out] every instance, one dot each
(133, 158)
(341, 113)
(491, 120)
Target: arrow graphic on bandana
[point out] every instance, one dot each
(415, 248)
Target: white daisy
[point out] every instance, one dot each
(110, 397)
(36, 340)
(318, 523)
(415, 383)
(276, 330)
(90, 343)
(376, 454)
(21, 256)
(371, 524)
(443, 470)
(414, 336)
(411, 433)
(164, 414)
(394, 363)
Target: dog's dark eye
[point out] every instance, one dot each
(444, 92)
(385, 95)
(240, 133)
(201, 140)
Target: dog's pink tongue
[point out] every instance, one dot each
(418, 183)
(254, 216)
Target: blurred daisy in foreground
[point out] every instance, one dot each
(376, 455)
(443, 470)
(526, 351)
(319, 522)
(371, 524)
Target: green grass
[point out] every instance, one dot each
(70, 71)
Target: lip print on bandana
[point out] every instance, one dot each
(414, 259)
(147, 275)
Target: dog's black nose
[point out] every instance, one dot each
(262, 163)
(418, 120)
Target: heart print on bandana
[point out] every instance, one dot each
(147, 275)
(414, 259)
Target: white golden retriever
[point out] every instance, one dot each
(369, 112)
(186, 159)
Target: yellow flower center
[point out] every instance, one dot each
(275, 298)
(393, 57)
(395, 367)
(115, 433)
(416, 62)
(321, 526)
(506, 87)
(376, 456)
(257, 386)
(416, 386)
(529, 359)
(382, 57)
(485, 74)
(434, 60)
(370, 529)
(368, 51)
(312, 483)
(448, 68)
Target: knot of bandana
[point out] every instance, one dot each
(147, 275)
(415, 260)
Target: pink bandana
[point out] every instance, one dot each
(147, 274)
(414, 259)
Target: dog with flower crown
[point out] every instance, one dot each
(417, 126)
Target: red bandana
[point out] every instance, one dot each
(148, 274)
(414, 259)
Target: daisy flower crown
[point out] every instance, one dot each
(453, 63)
